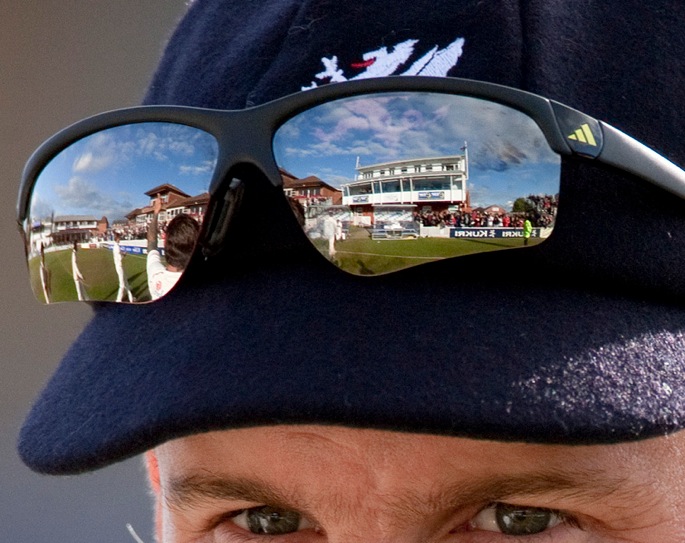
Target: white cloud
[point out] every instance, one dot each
(203, 168)
(91, 162)
(78, 195)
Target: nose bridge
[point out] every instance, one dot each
(245, 138)
(376, 533)
(376, 517)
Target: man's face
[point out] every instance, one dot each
(316, 484)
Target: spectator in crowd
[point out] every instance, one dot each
(527, 230)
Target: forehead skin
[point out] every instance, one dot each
(367, 485)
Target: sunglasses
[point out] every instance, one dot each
(381, 174)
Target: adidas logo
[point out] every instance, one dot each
(584, 135)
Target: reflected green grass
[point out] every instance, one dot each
(362, 255)
(97, 268)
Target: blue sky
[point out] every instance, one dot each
(108, 173)
(508, 154)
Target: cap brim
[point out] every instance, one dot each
(502, 356)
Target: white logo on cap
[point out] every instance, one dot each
(383, 62)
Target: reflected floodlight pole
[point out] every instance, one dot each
(465, 148)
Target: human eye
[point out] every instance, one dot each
(268, 520)
(515, 520)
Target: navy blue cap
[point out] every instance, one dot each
(577, 340)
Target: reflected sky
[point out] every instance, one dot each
(108, 173)
(508, 154)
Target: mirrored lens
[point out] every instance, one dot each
(93, 206)
(389, 181)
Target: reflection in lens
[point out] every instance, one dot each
(116, 215)
(392, 180)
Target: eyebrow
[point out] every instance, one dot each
(193, 490)
(584, 486)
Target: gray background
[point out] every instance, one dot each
(61, 60)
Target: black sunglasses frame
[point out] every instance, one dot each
(245, 136)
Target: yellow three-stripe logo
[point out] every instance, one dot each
(584, 135)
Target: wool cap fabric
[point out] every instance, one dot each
(578, 340)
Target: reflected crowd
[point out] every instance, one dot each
(541, 210)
